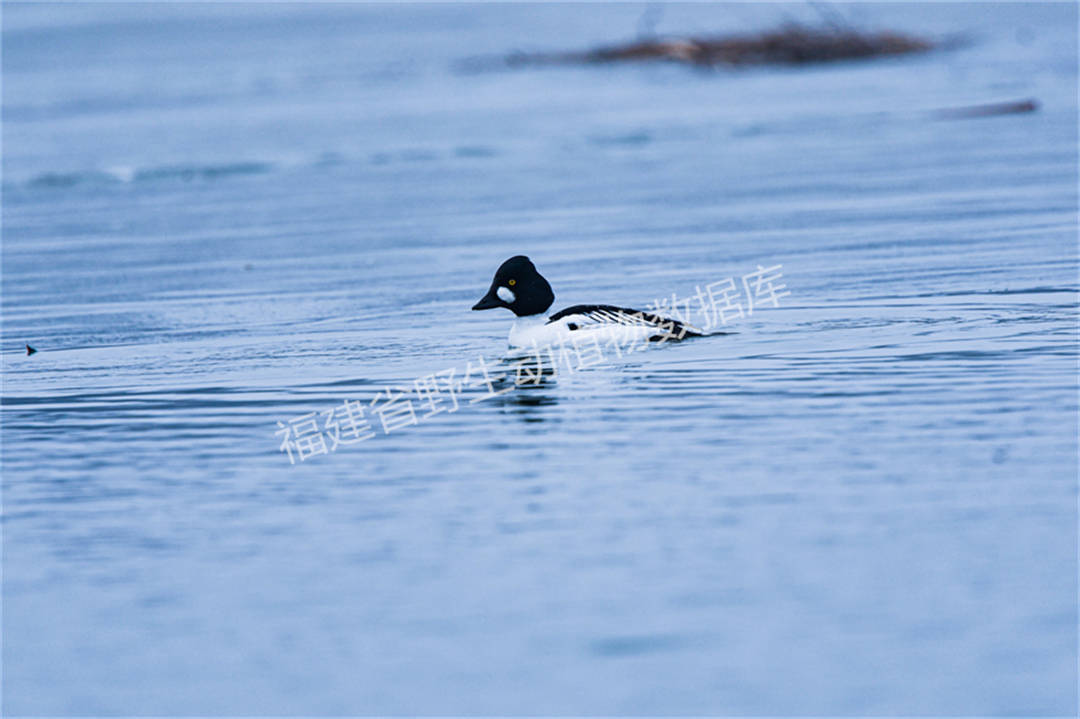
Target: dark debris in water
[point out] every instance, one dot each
(788, 45)
(1017, 107)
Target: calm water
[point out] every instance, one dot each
(221, 217)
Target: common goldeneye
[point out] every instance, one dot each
(521, 289)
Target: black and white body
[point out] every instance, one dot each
(521, 289)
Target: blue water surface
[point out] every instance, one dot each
(222, 217)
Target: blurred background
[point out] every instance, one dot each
(220, 217)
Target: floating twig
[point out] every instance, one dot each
(992, 109)
(790, 45)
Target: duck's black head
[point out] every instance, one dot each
(519, 288)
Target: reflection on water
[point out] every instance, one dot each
(223, 217)
(528, 403)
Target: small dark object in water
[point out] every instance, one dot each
(30, 350)
(790, 45)
(989, 110)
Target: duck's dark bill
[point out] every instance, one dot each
(488, 301)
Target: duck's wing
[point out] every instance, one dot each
(588, 316)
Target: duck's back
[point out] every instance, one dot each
(586, 317)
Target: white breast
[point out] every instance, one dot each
(535, 331)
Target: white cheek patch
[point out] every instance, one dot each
(506, 295)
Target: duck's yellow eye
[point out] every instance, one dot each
(512, 282)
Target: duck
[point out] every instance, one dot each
(519, 287)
